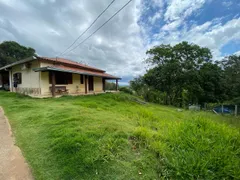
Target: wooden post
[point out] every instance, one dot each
(10, 81)
(116, 84)
(103, 83)
(86, 81)
(222, 109)
(53, 84)
(1, 80)
(236, 108)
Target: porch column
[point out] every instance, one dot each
(1, 79)
(116, 84)
(53, 83)
(104, 84)
(10, 81)
(86, 82)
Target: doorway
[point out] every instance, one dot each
(90, 83)
(4, 80)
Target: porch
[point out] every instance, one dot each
(57, 82)
(4, 80)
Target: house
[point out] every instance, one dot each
(44, 77)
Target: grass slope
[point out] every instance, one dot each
(110, 137)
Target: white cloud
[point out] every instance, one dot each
(172, 26)
(237, 53)
(227, 3)
(212, 34)
(179, 9)
(158, 3)
(154, 18)
(50, 26)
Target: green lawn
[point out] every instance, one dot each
(111, 137)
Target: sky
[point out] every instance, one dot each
(50, 26)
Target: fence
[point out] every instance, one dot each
(224, 109)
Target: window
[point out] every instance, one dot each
(17, 78)
(81, 78)
(61, 77)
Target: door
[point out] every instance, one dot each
(90, 83)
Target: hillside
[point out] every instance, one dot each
(110, 136)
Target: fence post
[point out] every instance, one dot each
(236, 108)
(222, 109)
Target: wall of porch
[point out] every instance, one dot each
(75, 88)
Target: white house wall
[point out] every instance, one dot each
(30, 79)
(37, 83)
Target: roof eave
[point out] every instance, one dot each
(47, 68)
(19, 62)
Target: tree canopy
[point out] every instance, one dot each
(11, 51)
(185, 74)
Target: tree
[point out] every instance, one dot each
(176, 70)
(138, 86)
(184, 74)
(110, 86)
(213, 84)
(11, 51)
(231, 66)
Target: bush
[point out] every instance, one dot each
(126, 90)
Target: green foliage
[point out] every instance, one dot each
(176, 70)
(231, 66)
(110, 86)
(185, 74)
(109, 136)
(125, 90)
(11, 51)
(138, 86)
(194, 149)
(212, 83)
(236, 100)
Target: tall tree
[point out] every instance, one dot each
(231, 65)
(213, 84)
(11, 51)
(176, 70)
(184, 74)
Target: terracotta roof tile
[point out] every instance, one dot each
(101, 74)
(70, 62)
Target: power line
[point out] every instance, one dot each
(99, 27)
(88, 27)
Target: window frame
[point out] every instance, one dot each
(18, 77)
(63, 78)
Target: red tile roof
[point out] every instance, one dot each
(77, 70)
(61, 64)
(70, 62)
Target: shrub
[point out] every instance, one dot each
(126, 90)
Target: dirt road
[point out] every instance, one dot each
(12, 163)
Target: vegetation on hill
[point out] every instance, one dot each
(186, 74)
(110, 136)
(11, 51)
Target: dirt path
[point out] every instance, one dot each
(12, 163)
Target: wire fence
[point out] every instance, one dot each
(230, 109)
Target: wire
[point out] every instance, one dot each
(100, 27)
(88, 27)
